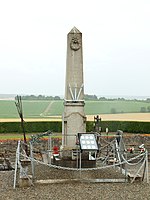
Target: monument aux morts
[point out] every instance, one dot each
(74, 119)
(74, 134)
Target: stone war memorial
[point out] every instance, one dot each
(82, 156)
(74, 119)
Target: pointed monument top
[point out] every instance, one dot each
(74, 30)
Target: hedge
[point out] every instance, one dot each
(30, 127)
(37, 127)
(128, 127)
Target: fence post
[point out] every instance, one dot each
(16, 163)
(32, 159)
(147, 177)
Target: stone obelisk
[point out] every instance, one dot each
(74, 120)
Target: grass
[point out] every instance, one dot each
(19, 136)
(112, 107)
(16, 136)
(13, 136)
(44, 109)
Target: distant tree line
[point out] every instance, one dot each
(94, 97)
(39, 97)
(43, 97)
(87, 97)
(90, 97)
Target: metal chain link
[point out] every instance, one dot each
(82, 169)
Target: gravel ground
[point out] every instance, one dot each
(74, 190)
(79, 191)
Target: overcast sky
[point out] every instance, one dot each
(116, 45)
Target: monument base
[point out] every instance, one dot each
(75, 164)
(73, 158)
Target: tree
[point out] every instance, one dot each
(143, 110)
(113, 111)
(148, 99)
(102, 99)
(148, 108)
(90, 97)
(56, 98)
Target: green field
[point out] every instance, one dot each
(19, 136)
(44, 109)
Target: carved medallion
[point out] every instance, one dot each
(75, 44)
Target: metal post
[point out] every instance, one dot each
(32, 159)
(147, 177)
(16, 163)
(114, 155)
(77, 157)
(49, 149)
(126, 170)
(80, 164)
(107, 139)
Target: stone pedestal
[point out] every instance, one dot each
(74, 121)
